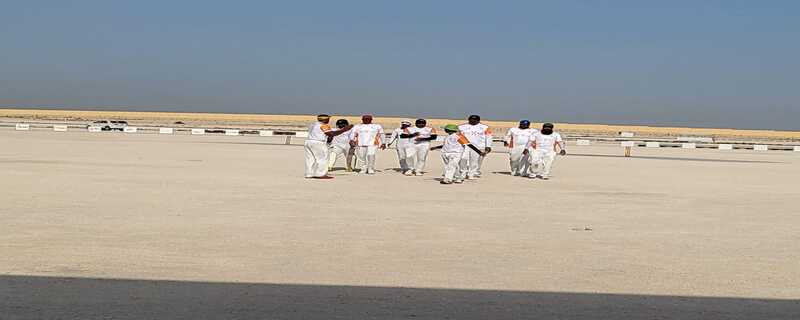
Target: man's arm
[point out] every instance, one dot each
(393, 137)
(333, 133)
(531, 145)
(431, 138)
(488, 143)
(381, 138)
(474, 148)
(353, 138)
(437, 147)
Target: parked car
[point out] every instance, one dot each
(109, 125)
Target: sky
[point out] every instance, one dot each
(687, 63)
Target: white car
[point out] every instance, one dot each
(109, 125)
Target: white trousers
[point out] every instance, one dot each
(471, 163)
(366, 158)
(403, 153)
(542, 162)
(316, 158)
(452, 163)
(520, 163)
(337, 152)
(417, 156)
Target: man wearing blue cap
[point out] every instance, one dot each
(516, 141)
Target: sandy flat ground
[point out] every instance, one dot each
(225, 227)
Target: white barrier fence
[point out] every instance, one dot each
(304, 134)
(693, 145)
(696, 139)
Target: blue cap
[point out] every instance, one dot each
(525, 122)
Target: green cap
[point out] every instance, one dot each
(451, 127)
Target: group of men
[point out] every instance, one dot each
(464, 147)
(532, 152)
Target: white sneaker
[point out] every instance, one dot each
(408, 172)
(418, 174)
(370, 171)
(458, 181)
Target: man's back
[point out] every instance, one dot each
(518, 137)
(368, 134)
(478, 134)
(547, 143)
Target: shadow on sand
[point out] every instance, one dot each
(30, 297)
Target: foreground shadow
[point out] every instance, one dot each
(28, 297)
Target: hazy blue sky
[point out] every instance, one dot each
(696, 63)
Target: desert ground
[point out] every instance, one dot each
(143, 226)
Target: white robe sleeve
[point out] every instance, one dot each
(395, 135)
(560, 141)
